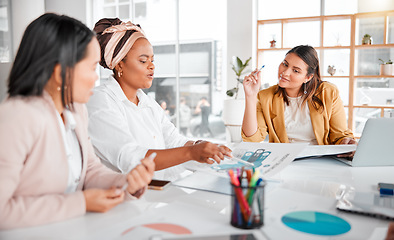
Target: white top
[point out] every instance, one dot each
(72, 148)
(298, 122)
(122, 132)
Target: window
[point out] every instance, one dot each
(201, 60)
(5, 32)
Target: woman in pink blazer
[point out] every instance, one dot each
(48, 169)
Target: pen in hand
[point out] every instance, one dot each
(259, 70)
(151, 157)
(242, 161)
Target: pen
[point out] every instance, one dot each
(242, 161)
(125, 186)
(259, 70)
(151, 157)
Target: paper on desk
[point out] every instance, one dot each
(270, 158)
(211, 182)
(206, 181)
(323, 150)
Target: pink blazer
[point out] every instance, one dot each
(34, 168)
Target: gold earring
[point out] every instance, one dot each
(58, 89)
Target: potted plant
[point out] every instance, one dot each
(367, 40)
(238, 66)
(386, 67)
(233, 108)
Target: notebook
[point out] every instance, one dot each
(376, 145)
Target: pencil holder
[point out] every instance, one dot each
(247, 204)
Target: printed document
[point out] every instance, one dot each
(269, 158)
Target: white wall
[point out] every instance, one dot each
(375, 6)
(73, 8)
(240, 32)
(22, 13)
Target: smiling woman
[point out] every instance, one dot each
(300, 108)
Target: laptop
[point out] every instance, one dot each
(376, 145)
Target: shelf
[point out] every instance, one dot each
(375, 46)
(373, 76)
(273, 49)
(317, 48)
(333, 47)
(338, 47)
(373, 106)
(335, 76)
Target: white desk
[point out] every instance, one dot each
(305, 185)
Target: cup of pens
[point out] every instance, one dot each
(247, 200)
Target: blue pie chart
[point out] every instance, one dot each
(316, 223)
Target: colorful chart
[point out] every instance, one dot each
(316, 223)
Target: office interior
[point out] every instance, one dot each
(194, 43)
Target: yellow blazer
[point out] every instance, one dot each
(329, 124)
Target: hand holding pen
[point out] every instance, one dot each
(252, 83)
(140, 176)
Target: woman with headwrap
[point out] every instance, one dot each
(124, 123)
(48, 169)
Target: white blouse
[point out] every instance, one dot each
(122, 132)
(72, 148)
(298, 122)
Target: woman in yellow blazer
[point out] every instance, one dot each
(300, 108)
(48, 169)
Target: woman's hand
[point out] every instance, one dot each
(101, 200)
(140, 176)
(348, 141)
(390, 232)
(252, 84)
(205, 151)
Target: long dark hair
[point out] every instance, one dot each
(49, 40)
(309, 55)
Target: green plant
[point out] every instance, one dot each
(367, 35)
(239, 67)
(388, 62)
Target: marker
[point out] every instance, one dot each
(151, 157)
(245, 209)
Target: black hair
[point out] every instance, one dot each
(309, 55)
(49, 40)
